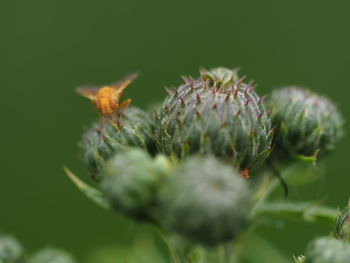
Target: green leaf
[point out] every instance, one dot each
(93, 194)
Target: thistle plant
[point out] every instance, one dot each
(309, 125)
(202, 168)
(204, 186)
(133, 189)
(101, 141)
(216, 114)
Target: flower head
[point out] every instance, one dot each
(215, 114)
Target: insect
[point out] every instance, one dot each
(107, 98)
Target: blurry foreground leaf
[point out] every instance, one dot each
(11, 251)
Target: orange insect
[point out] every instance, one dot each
(107, 98)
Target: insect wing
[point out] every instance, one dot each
(120, 85)
(88, 91)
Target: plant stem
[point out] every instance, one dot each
(306, 211)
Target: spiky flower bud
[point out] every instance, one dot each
(342, 229)
(205, 200)
(11, 251)
(215, 114)
(51, 255)
(308, 124)
(327, 250)
(130, 182)
(103, 140)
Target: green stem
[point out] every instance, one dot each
(183, 252)
(306, 211)
(174, 257)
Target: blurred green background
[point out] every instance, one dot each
(48, 47)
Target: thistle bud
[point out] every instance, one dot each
(130, 182)
(327, 250)
(342, 229)
(216, 114)
(205, 200)
(11, 251)
(103, 140)
(51, 255)
(308, 124)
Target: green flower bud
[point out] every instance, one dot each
(342, 229)
(11, 251)
(130, 182)
(308, 124)
(51, 255)
(328, 250)
(102, 141)
(216, 114)
(205, 200)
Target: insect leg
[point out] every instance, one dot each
(123, 106)
(113, 121)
